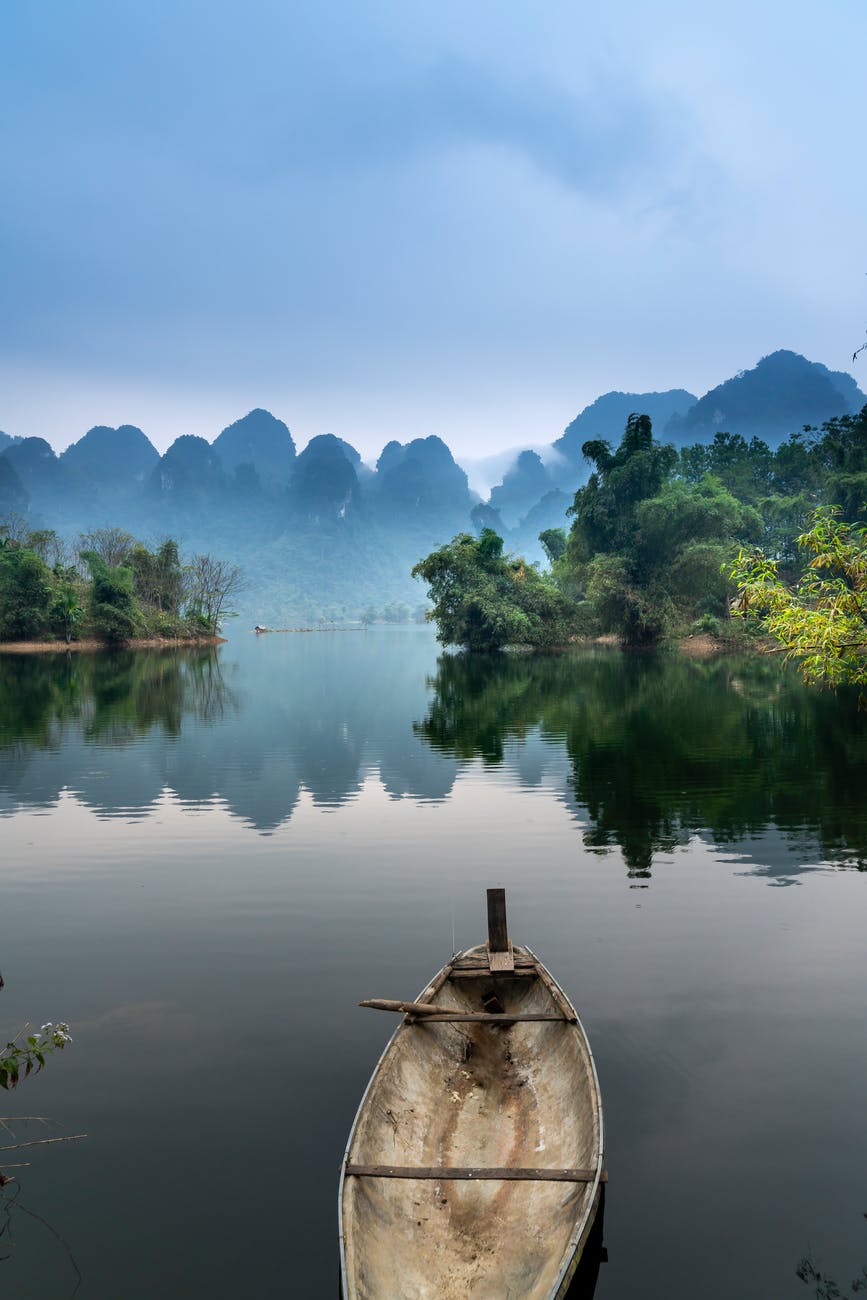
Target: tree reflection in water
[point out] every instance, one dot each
(663, 747)
(112, 697)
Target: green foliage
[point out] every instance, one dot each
(149, 594)
(604, 508)
(709, 624)
(18, 1059)
(484, 600)
(553, 543)
(114, 611)
(25, 594)
(648, 737)
(744, 468)
(66, 612)
(811, 468)
(158, 579)
(841, 455)
(112, 698)
(645, 548)
(638, 612)
(822, 621)
(784, 519)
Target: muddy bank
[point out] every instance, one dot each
(138, 643)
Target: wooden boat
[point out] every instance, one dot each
(474, 1167)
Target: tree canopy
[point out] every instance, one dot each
(644, 547)
(111, 587)
(484, 600)
(821, 621)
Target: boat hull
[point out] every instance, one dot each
(510, 1111)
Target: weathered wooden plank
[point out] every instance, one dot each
(556, 992)
(480, 962)
(503, 962)
(492, 1017)
(498, 933)
(447, 1173)
(521, 972)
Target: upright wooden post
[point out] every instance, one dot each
(498, 933)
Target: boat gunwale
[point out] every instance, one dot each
(582, 1231)
(431, 984)
(578, 1238)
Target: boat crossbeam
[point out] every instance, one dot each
(452, 1173)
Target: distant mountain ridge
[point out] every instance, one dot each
(606, 417)
(262, 444)
(323, 533)
(781, 394)
(112, 459)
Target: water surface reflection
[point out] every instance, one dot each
(662, 748)
(208, 858)
(645, 751)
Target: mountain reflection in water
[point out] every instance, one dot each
(210, 855)
(645, 751)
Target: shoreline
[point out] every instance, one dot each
(137, 643)
(703, 645)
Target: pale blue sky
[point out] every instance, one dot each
(388, 219)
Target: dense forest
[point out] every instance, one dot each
(109, 587)
(652, 545)
(320, 534)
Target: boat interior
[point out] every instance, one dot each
(478, 1097)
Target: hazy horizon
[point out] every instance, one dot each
(390, 222)
(369, 443)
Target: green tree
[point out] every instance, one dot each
(485, 600)
(65, 610)
(25, 593)
(158, 578)
(604, 508)
(114, 611)
(645, 548)
(553, 543)
(744, 468)
(822, 621)
(841, 456)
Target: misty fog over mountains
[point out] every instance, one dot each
(322, 535)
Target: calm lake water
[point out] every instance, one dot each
(208, 858)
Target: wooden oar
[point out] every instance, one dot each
(435, 1014)
(408, 1008)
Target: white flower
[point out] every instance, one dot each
(55, 1035)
